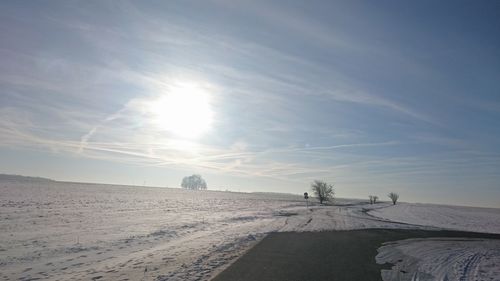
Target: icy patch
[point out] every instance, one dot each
(441, 259)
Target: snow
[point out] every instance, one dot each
(82, 231)
(486, 220)
(441, 259)
(62, 231)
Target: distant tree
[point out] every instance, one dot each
(194, 182)
(373, 199)
(323, 191)
(394, 197)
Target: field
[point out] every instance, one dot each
(61, 231)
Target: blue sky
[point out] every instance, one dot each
(374, 97)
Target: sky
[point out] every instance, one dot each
(371, 96)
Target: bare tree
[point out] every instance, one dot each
(194, 182)
(323, 191)
(394, 197)
(373, 199)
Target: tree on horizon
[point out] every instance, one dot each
(394, 197)
(323, 191)
(194, 182)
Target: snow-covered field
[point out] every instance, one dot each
(486, 220)
(62, 231)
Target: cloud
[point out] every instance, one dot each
(84, 140)
(361, 97)
(149, 147)
(91, 101)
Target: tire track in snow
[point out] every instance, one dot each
(442, 259)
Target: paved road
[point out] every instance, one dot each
(316, 256)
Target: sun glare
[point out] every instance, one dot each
(184, 110)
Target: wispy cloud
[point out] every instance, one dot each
(364, 98)
(238, 159)
(295, 96)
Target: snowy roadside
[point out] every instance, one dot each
(85, 231)
(62, 231)
(485, 220)
(441, 259)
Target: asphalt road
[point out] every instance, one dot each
(318, 256)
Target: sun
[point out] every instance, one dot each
(184, 110)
